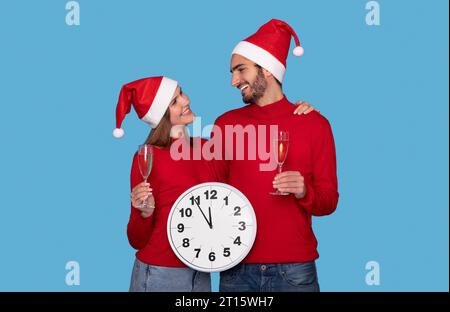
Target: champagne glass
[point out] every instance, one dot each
(145, 160)
(281, 143)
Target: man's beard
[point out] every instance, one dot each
(257, 88)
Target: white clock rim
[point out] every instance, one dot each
(237, 260)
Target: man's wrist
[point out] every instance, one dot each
(301, 195)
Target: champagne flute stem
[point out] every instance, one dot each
(144, 203)
(280, 169)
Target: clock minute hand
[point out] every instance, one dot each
(210, 219)
(204, 216)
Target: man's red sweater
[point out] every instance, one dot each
(169, 179)
(284, 222)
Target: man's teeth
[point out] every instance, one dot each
(243, 87)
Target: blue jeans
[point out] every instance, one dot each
(289, 277)
(146, 277)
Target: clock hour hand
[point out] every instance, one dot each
(207, 221)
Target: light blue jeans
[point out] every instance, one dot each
(289, 277)
(146, 278)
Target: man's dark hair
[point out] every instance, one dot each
(260, 68)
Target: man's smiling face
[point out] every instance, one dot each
(248, 77)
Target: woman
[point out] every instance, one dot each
(160, 102)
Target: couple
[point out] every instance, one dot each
(283, 255)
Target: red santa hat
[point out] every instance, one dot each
(150, 98)
(269, 47)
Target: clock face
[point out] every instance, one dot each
(211, 227)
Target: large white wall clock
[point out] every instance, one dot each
(211, 227)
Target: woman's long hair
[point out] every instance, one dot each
(160, 136)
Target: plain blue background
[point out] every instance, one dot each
(65, 180)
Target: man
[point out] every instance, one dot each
(283, 255)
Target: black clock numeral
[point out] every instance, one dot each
(212, 256)
(213, 194)
(185, 242)
(186, 212)
(226, 201)
(237, 241)
(237, 211)
(242, 227)
(195, 200)
(180, 227)
(226, 252)
(198, 252)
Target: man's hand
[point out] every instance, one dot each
(304, 108)
(290, 182)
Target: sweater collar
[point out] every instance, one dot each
(275, 109)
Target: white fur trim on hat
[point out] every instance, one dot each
(261, 57)
(160, 102)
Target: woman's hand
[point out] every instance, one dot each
(143, 193)
(304, 108)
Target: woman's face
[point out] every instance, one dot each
(180, 111)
